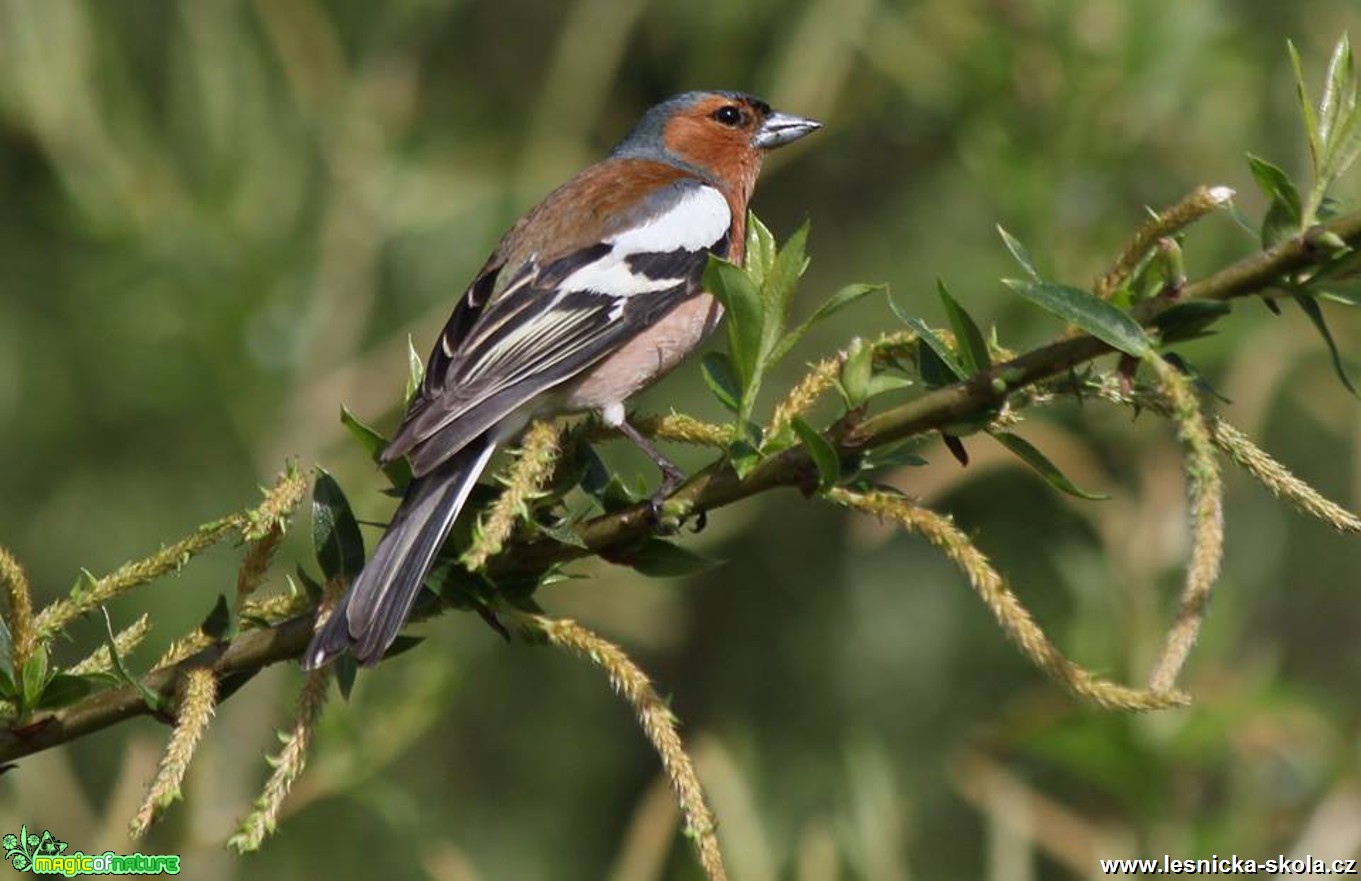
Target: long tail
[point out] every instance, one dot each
(368, 617)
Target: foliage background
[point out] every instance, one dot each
(222, 219)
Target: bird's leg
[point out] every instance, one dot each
(672, 476)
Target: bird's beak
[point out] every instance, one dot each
(783, 128)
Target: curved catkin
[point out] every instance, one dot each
(679, 428)
(1258, 463)
(197, 699)
(288, 765)
(531, 471)
(18, 610)
(656, 720)
(1207, 522)
(1279, 479)
(820, 379)
(183, 648)
(1013, 617)
(254, 525)
(256, 563)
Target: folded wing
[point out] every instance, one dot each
(554, 317)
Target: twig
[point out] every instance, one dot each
(714, 487)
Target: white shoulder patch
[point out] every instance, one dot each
(697, 221)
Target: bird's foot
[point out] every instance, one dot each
(667, 515)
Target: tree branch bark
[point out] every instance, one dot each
(716, 486)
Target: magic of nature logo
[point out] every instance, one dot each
(46, 855)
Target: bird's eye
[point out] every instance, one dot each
(728, 115)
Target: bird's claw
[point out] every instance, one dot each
(667, 516)
(663, 522)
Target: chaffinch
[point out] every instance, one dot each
(591, 296)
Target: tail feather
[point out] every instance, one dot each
(371, 613)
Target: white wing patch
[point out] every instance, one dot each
(698, 220)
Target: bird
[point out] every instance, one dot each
(592, 295)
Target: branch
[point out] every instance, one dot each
(246, 655)
(719, 485)
(714, 487)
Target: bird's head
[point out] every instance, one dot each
(722, 134)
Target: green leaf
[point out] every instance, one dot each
(955, 445)
(1339, 94)
(415, 372)
(777, 289)
(7, 689)
(742, 301)
(900, 455)
(1315, 313)
(34, 677)
(662, 559)
(1346, 296)
(154, 701)
(722, 380)
(935, 345)
(935, 371)
(1346, 146)
(1189, 320)
(760, 255)
(218, 624)
(791, 262)
(887, 382)
(1276, 185)
(1028, 454)
(401, 645)
(309, 584)
(1089, 312)
(335, 532)
(63, 690)
(368, 437)
(1278, 225)
(973, 349)
(822, 453)
(562, 533)
(606, 488)
(856, 373)
(84, 581)
(230, 683)
(744, 456)
(347, 668)
(841, 299)
(398, 471)
(1020, 253)
(1306, 108)
(1160, 268)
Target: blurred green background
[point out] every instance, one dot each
(221, 219)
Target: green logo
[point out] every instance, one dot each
(46, 855)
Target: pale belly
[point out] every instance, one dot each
(643, 359)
